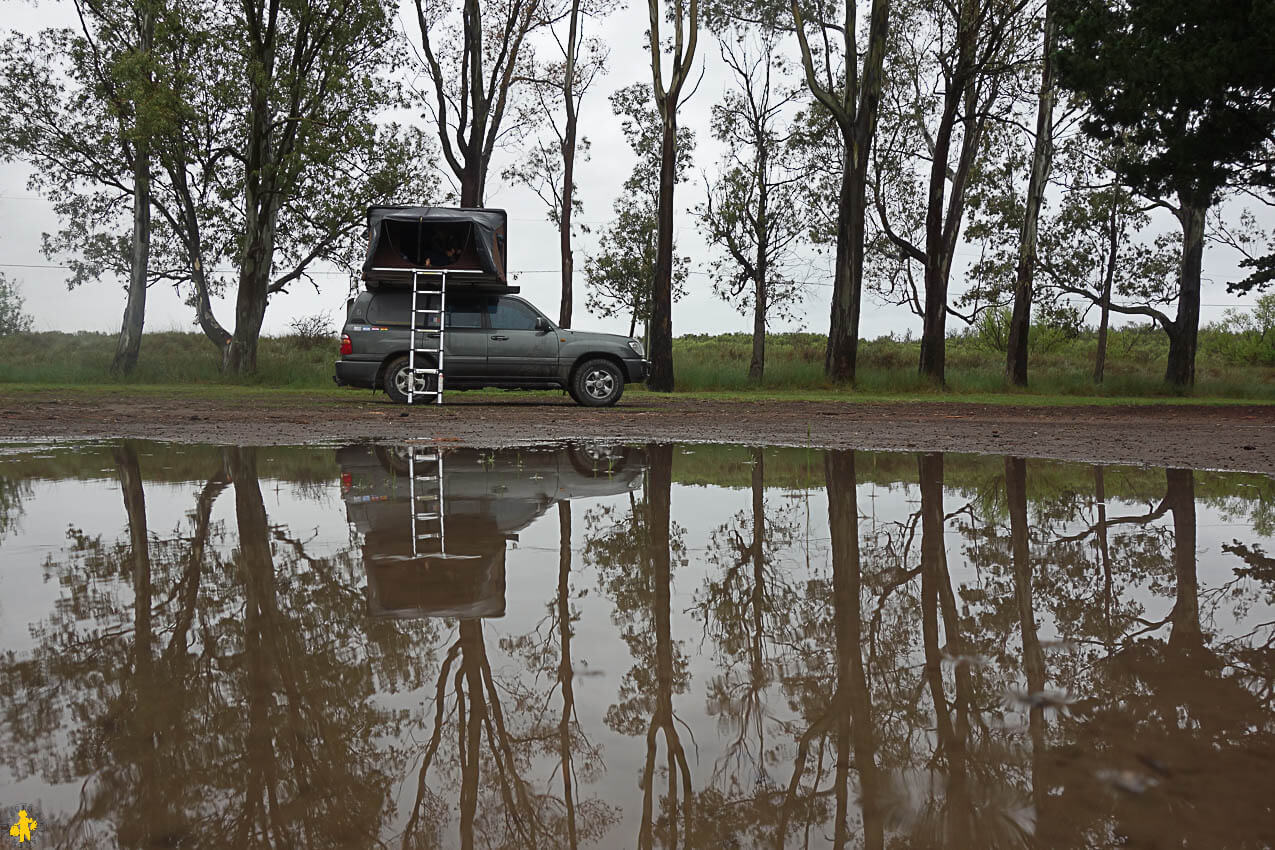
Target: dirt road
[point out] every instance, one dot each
(1232, 437)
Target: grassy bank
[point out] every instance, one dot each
(714, 366)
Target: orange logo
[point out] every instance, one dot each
(23, 828)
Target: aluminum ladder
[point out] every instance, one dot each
(429, 299)
(425, 486)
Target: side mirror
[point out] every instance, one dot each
(542, 325)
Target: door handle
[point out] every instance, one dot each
(498, 337)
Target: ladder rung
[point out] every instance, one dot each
(422, 371)
(433, 535)
(429, 516)
(425, 310)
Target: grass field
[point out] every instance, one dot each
(1228, 368)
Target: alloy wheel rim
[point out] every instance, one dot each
(401, 379)
(599, 384)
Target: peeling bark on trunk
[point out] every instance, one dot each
(1042, 153)
(130, 339)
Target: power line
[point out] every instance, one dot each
(1068, 296)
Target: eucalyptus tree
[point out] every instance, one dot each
(753, 207)
(80, 108)
(1187, 88)
(1042, 154)
(669, 95)
(476, 55)
(850, 92)
(1096, 242)
(622, 273)
(950, 71)
(560, 86)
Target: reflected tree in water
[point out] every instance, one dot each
(203, 697)
(634, 554)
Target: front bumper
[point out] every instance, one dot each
(356, 373)
(637, 371)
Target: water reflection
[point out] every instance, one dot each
(659, 646)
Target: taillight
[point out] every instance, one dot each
(347, 347)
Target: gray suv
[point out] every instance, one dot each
(489, 341)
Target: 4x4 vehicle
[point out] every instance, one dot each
(489, 341)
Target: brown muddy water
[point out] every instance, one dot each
(631, 646)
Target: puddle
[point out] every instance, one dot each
(629, 646)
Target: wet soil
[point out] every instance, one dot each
(1210, 437)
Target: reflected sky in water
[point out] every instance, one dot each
(631, 646)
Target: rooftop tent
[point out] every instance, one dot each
(400, 239)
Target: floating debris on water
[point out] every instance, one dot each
(966, 659)
(1127, 781)
(1057, 700)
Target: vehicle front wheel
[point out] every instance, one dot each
(397, 376)
(597, 383)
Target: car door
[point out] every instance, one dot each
(465, 348)
(516, 350)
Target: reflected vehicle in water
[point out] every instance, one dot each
(434, 522)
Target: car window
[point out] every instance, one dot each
(357, 311)
(507, 314)
(464, 313)
(390, 308)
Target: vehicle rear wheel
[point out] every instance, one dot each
(597, 383)
(397, 375)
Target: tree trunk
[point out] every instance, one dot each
(934, 325)
(1185, 618)
(840, 359)
(1104, 554)
(1042, 152)
(568, 168)
(192, 239)
(757, 366)
(856, 733)
(1108, 279)
(1033, 655)
(661, 352)
(130, 338)
(261, 206)
(1184, 331)
(565, 673)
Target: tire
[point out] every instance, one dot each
(594, 459)
(395, 382)
(597, 383)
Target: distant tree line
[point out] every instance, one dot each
(181, 138)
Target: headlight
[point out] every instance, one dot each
(637, 348)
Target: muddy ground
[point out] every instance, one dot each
(1229, 437)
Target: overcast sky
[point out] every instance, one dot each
(533, 247)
